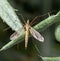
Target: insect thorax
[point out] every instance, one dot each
(27, 25)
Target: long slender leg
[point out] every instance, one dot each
(22, 18)
(6, 29)
(35, 46)
(41, 16)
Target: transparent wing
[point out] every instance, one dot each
(36, 35)
(15, 35)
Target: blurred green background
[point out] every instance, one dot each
(29, 9)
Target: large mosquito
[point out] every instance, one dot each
(28, 29)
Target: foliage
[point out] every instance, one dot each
(34, 48)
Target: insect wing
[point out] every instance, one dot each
(36, 35)
(15, 35)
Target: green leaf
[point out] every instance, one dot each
(9, 16)
(57, 33)
(40, 26)
(51, 58)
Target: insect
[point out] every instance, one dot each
(28, 29)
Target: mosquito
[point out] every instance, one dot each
(28, 30)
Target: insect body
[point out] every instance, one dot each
(33, 32)
(28, 29)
